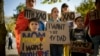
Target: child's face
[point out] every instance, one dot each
(33, 26)
(30, 3)
(79, 22)
(55, 13)
(65, 9)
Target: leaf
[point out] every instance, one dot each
(44, 2)
(85, 6)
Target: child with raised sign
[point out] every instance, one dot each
(55, 49)
(22, 22)
(64, 9)
(78, 35)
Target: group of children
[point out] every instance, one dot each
(76, 34)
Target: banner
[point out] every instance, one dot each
(94, 15)
(34, 13)
(34, 44)
(68, 16)
(83, 47)
(58, 33)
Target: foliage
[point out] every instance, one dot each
(85, 6)
(20, 8)
(50, 1)
(10, 26)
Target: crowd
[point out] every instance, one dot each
(87, 28)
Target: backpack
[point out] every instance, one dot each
(41, 26)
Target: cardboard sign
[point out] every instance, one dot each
(94, 15)
(83, 47)
(34, 44)
(58, 33)
(34, 13)
(68, 16)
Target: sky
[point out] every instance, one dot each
(10, 5)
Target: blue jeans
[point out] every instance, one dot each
(56, 49)
(96, 42)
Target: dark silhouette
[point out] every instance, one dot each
(10, 43)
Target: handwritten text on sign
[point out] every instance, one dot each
(58, 33)
(34, 13)
(94, 15)
(68, 16)
(37, 47)
(83, 47)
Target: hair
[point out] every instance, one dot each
(53, 9)
(78, 18)
(63, 6)
(34, 19)
(30, 1)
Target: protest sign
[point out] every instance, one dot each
(94, 15)
(58, 33)
(34, 13)
(83, 47)
(34, 44)
(68, 16)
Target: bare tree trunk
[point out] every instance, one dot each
(3, 31)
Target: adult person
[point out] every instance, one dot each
(92, 21)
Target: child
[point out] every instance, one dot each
(33, 24)
(22, 23)
(64, 9)
(78, 34)
(55, 49)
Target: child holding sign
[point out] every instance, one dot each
(55, 49)
(78, 35)
(22, 23)
(64, 9)
(33, 24)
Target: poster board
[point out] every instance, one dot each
(34, 44)
(68, 16)
(58, 33)
(35, 13)
(94, 15)
(83, 47)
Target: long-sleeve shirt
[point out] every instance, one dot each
(93, 21)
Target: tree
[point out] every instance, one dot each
(10, 25)
(85, 6)
(3, 31)
(50, 1)
(20, 8)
